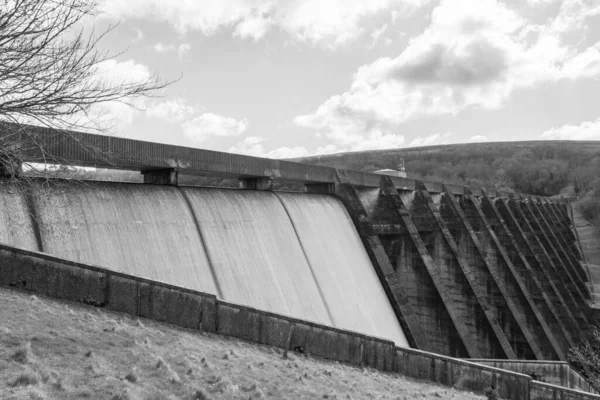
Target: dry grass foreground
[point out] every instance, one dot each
(57, 350)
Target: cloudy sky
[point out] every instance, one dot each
(301, 77)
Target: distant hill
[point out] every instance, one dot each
(535, 167)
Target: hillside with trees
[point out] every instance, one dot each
(543, 168)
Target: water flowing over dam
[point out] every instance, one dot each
(292, 254)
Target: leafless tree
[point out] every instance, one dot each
(49, 64)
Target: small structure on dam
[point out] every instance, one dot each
(452, 270)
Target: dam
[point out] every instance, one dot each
(454, 271)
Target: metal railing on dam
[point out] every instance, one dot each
(83, 149)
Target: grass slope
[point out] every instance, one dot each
(57, 350)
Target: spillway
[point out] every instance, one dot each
(255, 252)
(292, 254)
(341, 266)
(143, 231)
(15, 221)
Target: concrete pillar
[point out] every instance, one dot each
(567, 239)
(492, 274)
(542, 232)
(509, 279)
(167, 176)
(569, 262)
(460, 280)
(553, 293)
(565, 228)
(325, 188)
(256, 183)
(409, 322)
(439, 315)
(547, 264)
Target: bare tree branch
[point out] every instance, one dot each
(50, 76)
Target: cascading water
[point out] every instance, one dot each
(147, 231)
(343, 270)
(293, 254)
(255, 252)
(15, 222)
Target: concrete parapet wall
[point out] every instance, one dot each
(557, 373)
(84, 149)
(547, 391)
(462, 374)
(63, 279)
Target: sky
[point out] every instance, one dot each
(293, 78)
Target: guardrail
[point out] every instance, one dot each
(84, 149)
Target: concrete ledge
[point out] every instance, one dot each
(100, 287)
(75, 148)
(64, 279)
(462, 374)
(547, 391)
(553, 372)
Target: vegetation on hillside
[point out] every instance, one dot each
(585, 358)
(541, 168)
(54, 350)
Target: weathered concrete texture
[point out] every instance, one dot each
(567, 242)
(413, 331)
(422, 281)
(491, 277)
(476, 313)
(543, 291)
(511, 268)
(544, 265)
(565, 257)
(556, 373)
(51, 276)
(462, 374)
(547, 391)
(167, 176)
(557, 270)
(566, 228)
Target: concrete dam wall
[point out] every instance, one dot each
(291, 254)
(447, 269)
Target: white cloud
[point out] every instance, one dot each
(327, 149)
(331, 22)
(478, 138)
(253, 146)
(163, 48)
(175, 110)
(475, 55)
(287, 152)
(139, 35)
(254, 27)
(207, 125)
(376, 34)
(183, 49)
(430, 140)
(587, 130)
(117, 115)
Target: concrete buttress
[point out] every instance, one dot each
(477, 314)
(347, 193)
(494, 278)
(422, 280)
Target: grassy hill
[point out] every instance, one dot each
(538, 167)
(51, 349)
